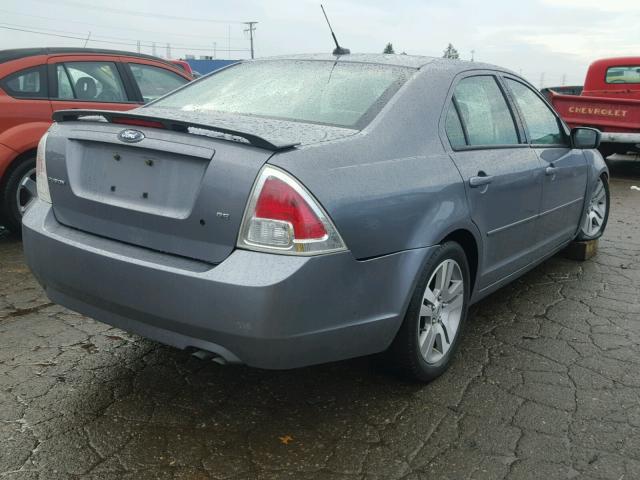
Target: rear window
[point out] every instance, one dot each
(333, 93)
(623, 74)
(29, 83)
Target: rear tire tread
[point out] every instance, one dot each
(404, 352)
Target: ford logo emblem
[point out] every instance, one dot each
(131, 136)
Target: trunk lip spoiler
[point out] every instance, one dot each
(173, 125)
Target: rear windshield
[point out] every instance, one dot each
(623, 74)
(333, 93)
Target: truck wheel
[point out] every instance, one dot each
(18, 191)
(606, 150)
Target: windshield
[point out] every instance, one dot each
(334, 93)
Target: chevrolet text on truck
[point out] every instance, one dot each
(610, 102)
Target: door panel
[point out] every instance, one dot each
(502, 175)
(562, 194)
(565, 169)
(505, 210)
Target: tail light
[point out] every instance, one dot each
(283, 217)
(42, 182)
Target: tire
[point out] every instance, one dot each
(596, 215)
(425, 317)
(14, 197)
(606, 150)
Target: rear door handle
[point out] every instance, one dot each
(551, 170)
(480, 181)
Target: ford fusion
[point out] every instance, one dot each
(292, 211)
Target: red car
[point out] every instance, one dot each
(35, 82)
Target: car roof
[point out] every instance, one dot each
(399, 60)
(18, 53)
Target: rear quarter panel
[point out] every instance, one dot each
(22, 120)
(392, 187)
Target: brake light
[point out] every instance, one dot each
(278, 201)
(282, 216)
(138, 122)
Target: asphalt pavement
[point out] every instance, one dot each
(546, 385)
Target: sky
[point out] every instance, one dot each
(551, 42)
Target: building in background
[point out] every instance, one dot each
(207, 65)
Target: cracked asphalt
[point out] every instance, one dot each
(546, 385)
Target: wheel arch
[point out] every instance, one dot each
(469, 243)
(22, 139)
(13, 164)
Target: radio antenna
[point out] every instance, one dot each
(338, 50)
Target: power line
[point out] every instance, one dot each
(112, 27)
(111, 42)
(120, 11)
(104, 37)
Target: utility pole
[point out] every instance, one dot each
(214, 50)
(542, 80)
(473, 53)
(87, 40)
(564, 79)
(138, 43)
(153, 49)
(168, 51)
(251, 29)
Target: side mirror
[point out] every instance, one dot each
(585, 138)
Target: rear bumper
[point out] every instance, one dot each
(613, 137)
(268, 311)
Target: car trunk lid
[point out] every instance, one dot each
(165, 180)
(171, 192)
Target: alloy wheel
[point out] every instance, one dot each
(26, 190)
(596, 211)
(441, 311)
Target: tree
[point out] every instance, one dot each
(389, 48)
(451, 52)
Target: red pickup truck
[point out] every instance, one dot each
(610, 102)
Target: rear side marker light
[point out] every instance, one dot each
(283, 217)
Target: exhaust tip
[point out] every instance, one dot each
(204, 355)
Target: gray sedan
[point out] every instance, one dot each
(290, 211)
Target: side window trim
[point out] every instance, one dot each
(522, 143)
(462, 124)
(52, 81)
(561, 125)
(73, 88)
(130, 86)
(513, 109)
